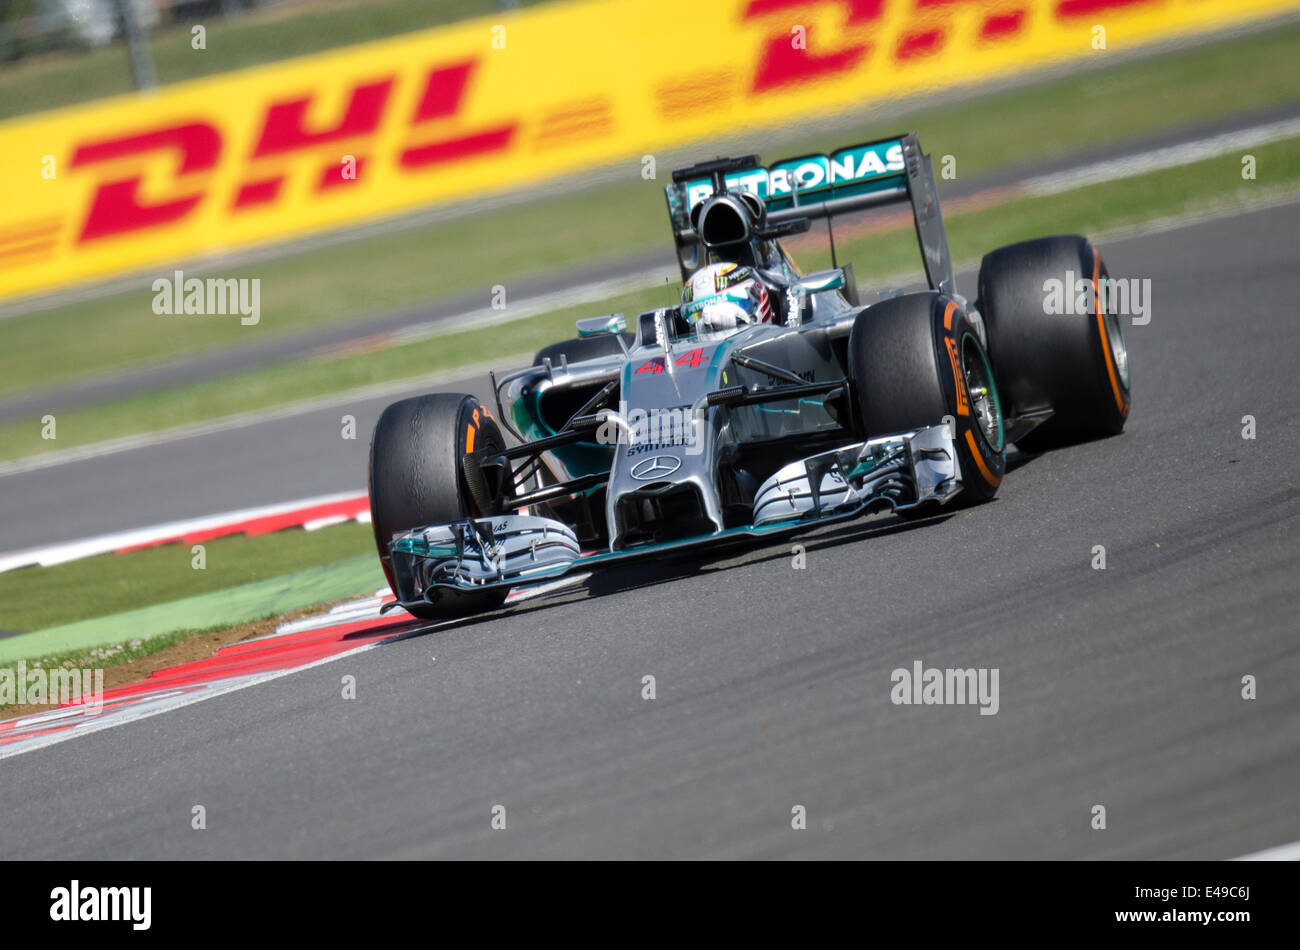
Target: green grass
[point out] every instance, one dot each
(99, 657)
(473, 253)
(1089, 210)
(34, 598)
(104, 655)
(249, 39)
(309, 377)
(326, 286)
(115, 638)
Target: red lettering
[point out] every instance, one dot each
(995, 25)
(284, 131)
(444, 95)
(332, 176)
(258, 192)
(1071, 8)
(780, 64)
(916, 45)
(116, 206)
(443, 92)
(448, 150)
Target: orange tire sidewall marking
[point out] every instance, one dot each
(993, 481)
(963, 405)
(1101, 330)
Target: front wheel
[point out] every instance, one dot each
(916, 360)
(417, 479)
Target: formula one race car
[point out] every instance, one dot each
(767, 402)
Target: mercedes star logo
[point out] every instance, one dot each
(657, 466)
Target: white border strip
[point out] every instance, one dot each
(1283, 852)
(154, 707)
(1185, 153)
(242, 420)
(61, 553)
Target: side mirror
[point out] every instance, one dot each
(820, 280)
(836, 278)
(595, 326)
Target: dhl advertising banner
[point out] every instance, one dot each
(305, 145)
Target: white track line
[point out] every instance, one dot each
(367, 603)
(61, 553)
(1283, 852)
(525, 309)
(314, 623)
(326, 522)
(518, 594)
(166, 703)
(244, 419)
(531, 307)
(1171, 156)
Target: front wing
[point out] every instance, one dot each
(889, 473)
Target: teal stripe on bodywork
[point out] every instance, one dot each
(581, 458)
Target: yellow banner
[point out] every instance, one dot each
(311, 144)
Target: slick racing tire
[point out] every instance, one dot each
(916, 359)
(582, 348)
(417, 479)
(1073, 362)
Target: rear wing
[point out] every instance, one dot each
(808, 187)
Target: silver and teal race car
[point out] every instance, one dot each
(769, 401)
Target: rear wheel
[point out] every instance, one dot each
(915, 360)
(417, 478)
(1047, 350)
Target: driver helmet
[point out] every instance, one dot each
(720, 299)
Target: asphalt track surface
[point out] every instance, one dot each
(1119, 688)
